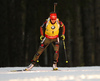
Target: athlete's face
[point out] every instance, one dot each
(53, 21)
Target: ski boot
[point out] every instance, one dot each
(29, 67)
(55, 67)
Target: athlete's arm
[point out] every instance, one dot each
(41, 28)
(63, 27)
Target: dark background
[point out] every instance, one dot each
(20, 21)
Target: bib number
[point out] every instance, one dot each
(52, 32)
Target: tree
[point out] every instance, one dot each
(87, 24)
(4, 60)
(77, 43)
(97, 31)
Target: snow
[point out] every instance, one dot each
(46, 74)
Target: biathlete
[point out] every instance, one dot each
(51, 35)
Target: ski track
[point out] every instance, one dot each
(46, 74)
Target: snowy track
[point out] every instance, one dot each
(46, 74)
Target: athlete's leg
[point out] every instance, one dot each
(56, 54)
(42, 47)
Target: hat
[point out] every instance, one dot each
(53, 16)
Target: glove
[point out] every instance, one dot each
(41, 37)
(63, 37)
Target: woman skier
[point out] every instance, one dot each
(50, 35)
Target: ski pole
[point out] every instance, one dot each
(65, 51)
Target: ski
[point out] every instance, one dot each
(33, 70)
(16, 70)
(56, 70)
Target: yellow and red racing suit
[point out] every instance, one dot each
(51, 36)
(52, 30)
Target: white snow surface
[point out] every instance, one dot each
(46, 74)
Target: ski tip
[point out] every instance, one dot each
(16, 70)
